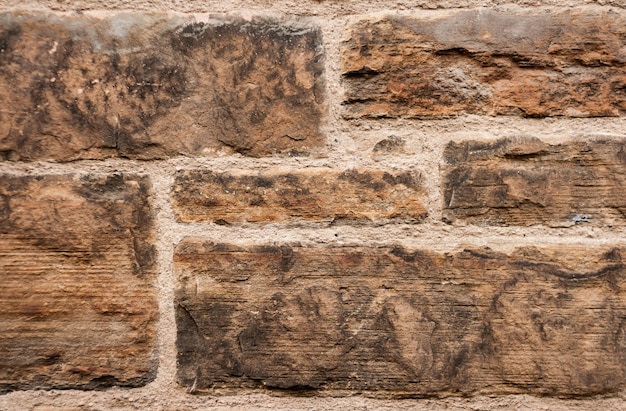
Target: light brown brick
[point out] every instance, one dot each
(396, 322)
(309, 194)
(78, 306)
(154, 85)
(530, 63)
(525, 181)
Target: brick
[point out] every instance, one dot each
(529, 63)
(153, 86)
(310, 194)
(396, 322)
(525, 181)
(78, 307)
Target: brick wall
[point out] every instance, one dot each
(313, 205)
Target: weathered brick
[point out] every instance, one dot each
(310, 194)
(153, 86)
(77, 308)
(401, 322)
(531, 63)
(525, 181)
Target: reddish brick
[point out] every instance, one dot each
(310, 194)
(531, 63)
(78, 307)
(152, 86)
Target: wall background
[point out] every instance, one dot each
(349, 144)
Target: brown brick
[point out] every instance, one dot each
(525, 181)
(530, 63)
(401, 322)
(310, 194)
(77, 308)
(153, 86)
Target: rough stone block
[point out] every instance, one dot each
(155, 85)
(530, 63)
(525, 181)
(78, 307)
(310, 194)
(395, 322)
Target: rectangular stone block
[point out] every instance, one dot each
(157, 85)
(309, 194)
(525, 181)
(396, 322)
(78, 307)
(495, 62)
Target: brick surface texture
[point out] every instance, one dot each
(538, 320)
(77, 306)
(316, 195)
(533, 64)
(525, 181)
(146, 86)
(313, 205)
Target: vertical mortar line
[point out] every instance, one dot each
(332, 30)
(432, 169)
(161, 174)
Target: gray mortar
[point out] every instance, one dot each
(349, 144)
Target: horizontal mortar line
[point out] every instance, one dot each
(381, 236)
(329, 158)
(171, 166)
(368, 8)
(333, 161)
(467, 123)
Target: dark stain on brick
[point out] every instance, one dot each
(264, 182)
(109, 95)
(456, 363)
(188, 37)
(409, 179)
(362, 178)
(613, 255)
(8, 38)
(287, 258)
(5, 210)
(291, 179)
(392, 144)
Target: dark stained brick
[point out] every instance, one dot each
(153, 86)
(396, 322)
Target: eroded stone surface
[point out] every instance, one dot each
(77, 308)
(151, 86)
(525, 181)
(557, 63)
(310, 194)
(401, 322)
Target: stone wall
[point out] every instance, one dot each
(315, 205)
